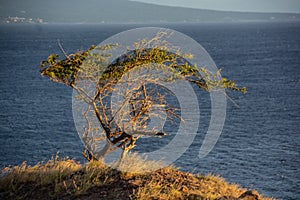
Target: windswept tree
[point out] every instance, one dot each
(124, 96)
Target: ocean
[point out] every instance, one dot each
(259, 147)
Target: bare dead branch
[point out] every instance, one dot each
(62, 49)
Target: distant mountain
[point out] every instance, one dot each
(123, 11)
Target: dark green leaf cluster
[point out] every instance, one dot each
(63, 71)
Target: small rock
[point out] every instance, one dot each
(250, 195)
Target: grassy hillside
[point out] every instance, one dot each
(68, 179)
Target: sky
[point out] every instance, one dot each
(291, 6)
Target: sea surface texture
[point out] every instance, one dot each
(260, 144)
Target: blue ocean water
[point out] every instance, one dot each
(260, 144)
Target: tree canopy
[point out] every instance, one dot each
(128, 120)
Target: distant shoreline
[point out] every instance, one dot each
(127, 12)
(157, 23)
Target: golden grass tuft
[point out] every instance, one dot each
(63, 178)
(135, 164)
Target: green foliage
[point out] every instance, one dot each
(64, 71)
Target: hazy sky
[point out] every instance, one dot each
(235, 5)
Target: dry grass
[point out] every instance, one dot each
(67, 179)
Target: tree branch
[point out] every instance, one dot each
(62, 49)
